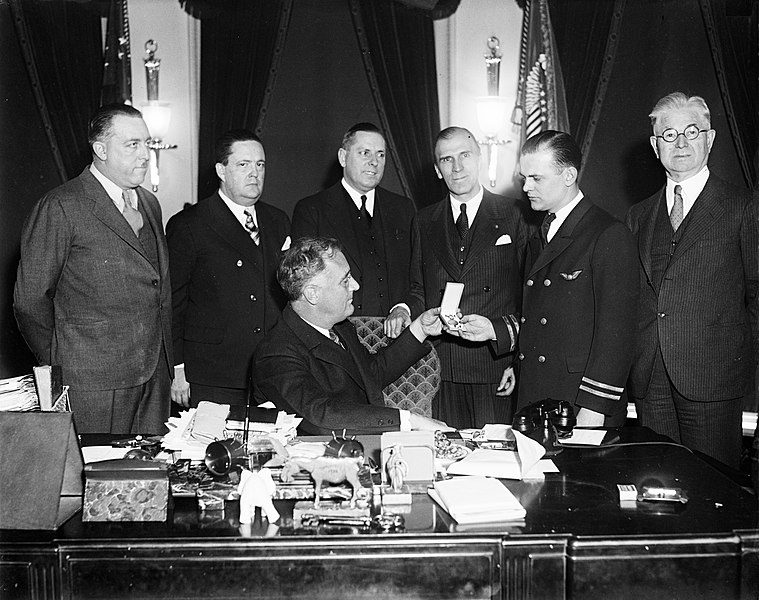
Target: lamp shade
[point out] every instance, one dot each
(157, 117)
(491, 114)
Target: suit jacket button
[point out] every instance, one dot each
(522, 320)
(546, 282)
(543, 321)
(155, 283)
(252, 297)
(239, 263)
(486, 288)
(521, 356)
(530, 283)
(257, 330)
(541, 359)
(661, 315)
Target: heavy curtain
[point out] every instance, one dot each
(586, 33)
(62, 47)
(733, 44)
(241, 43)
(398, 47)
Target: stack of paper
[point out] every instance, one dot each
(180, 440)
(283, 428)
(18, 394)
(525, 463)
(477, 500)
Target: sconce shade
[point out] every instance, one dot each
(491, 114)
(157, 117)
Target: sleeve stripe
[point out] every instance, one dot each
(600, 394)
(512, 324)
(604, 386)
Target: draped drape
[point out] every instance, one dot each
(587, 33)
(241, 43)
(62, 46)
(398, 47)
(733, 44)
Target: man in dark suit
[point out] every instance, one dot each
(478, 239)
(698, 250)
(93, 292)
(224, 254)
(312, 362)
(372, 224)
(579, 303)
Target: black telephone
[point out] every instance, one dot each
(546, 422)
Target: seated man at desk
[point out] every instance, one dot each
(312, 363)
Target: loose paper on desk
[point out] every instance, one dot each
(477, 500)
(525, 463)
(584, 437)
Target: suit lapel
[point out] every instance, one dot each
(562, 239)
(228, 228)
(647, 223)
(704, 212)
(438, 232)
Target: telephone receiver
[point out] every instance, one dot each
(546, 422)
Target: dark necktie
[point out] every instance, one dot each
(676, 215)
(462, 223)
(252, 228)
(363, 212)
(131, 214)
(545, 226)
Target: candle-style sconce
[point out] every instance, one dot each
(492, 109)
(157, 114)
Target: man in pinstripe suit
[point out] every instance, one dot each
(698, 249)
(478, 239)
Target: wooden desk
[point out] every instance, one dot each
(576, 542)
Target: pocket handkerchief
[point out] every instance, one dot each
(503, 240)
(286, 245)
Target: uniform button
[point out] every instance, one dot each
(541, 359)
(381, 295)
(252, 297)
(547, 282)
(486, 288)
(521, 356)
(522, 320)
(371, 252)
(380, 280)
(239, 263)
(530, 283)
(461, 262)
(543, 321)
(379, 264)
(359, 307)
(462, 248)
(155, 283)
(257, 330)
(661, 315)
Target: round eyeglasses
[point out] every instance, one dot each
(691, 132)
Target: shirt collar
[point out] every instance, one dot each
(691, 189)
(322, 330)
(562, 214)
(472, 206)
(238, 210)
(356, 197)
(113, 190)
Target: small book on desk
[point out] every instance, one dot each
(256, 415)
(477, 500)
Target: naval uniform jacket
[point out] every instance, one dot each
(579, 310)
(491, 274)
(304, 372)
(705, 314)
(224, 289)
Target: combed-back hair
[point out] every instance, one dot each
(565, 151)
(303, 261)
(679, 101)
(99, 126)
(223, 146)
(354, 129)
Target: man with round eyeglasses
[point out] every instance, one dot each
(698, 250)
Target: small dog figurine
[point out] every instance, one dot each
(323, 469)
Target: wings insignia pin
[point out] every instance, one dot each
(571, 276)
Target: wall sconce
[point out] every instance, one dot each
(157, 114)
(492, 109)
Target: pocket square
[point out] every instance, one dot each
(286, 245)
(571, 276)
(503, 240)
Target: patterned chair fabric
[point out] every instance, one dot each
(415, 389)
